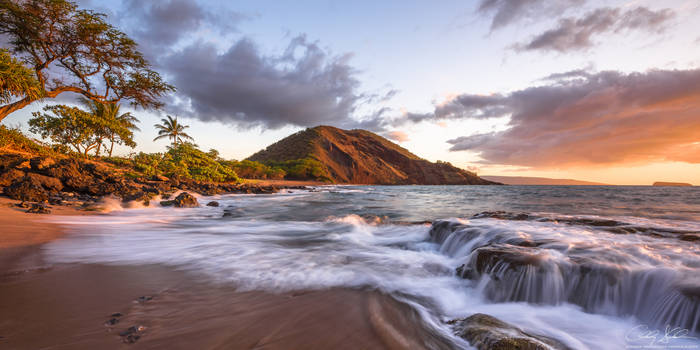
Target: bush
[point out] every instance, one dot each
(13, 139)
(254, 170)
(304, 169)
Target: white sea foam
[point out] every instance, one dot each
(260, 251)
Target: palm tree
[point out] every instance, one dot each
(172, 130)
(115, 125)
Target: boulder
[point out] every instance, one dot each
(26, 190)
(47, 182)
(183, 200)
(213, 204)
(10, 160)
(486, 332)
(41, 163)
(38, 209)
(10, 176)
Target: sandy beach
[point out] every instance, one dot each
(78, 306)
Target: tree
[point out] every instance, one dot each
(69, 126)
(172, 129)
(16, 80)
(117, 128)
(72, 50)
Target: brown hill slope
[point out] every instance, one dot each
(361, 157)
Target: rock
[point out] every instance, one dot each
(159, 178)
(112, 321)
(132, 334)
(38, 209)
(47, 182)
(41, 163)
(10, 161)
(485, 332)
(24, 205)
(140, 196)
(10, 176)
(55, 200)
(26, 190)
(213, 204)
(183, 200)
(484, 259)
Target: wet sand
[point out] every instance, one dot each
(67, 306)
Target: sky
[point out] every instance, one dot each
(605, 91)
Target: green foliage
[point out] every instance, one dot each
(69, 126)
(183, 160)
(304, 169)
(85, 131)
(13, 139)
(117, 128)
(254, 170)
(76, 50)
(173, 130)
(16, 80)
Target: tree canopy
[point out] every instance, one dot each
(173, 130)
(71, 50)
(84, 130)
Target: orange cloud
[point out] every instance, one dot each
(587, 119)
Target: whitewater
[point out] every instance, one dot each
(593, 267)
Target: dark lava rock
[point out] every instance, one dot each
(117, 314)
(183, 200)
(145, 298)
(485, 332)
(47, 182)
(159, 178)
(132, 334)
(10, 160)
(10, 176)
(38, 209)
(27, 190)
(41, 163)
(112, 321)
(213, 204)
(486, 258)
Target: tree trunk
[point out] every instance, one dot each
(9, 108)
(111, 146)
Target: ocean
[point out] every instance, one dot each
(607, 267)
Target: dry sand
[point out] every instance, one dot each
(66, 306)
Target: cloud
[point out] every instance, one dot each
(506, 12)
(304, 86)
(579, 118)
(157, 25)
(573, 34)
(397, 135)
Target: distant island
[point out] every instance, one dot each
(542, 181)
(361, 157)
(672, 184)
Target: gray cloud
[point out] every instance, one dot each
(590, 118)
(304, 86)
(505, 12)
(577, 34)
(158, 24)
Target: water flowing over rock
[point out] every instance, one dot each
(489, 333)
(183, 200)
(621, 279)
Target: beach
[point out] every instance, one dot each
(69, 306)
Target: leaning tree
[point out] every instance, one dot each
(71, 50)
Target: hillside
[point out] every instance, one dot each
(527, 180)
(361, 157)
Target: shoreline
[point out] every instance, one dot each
(73, 306)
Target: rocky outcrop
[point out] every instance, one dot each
(361, 157)
(486, 332)
(59, 180)
(183, 200)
